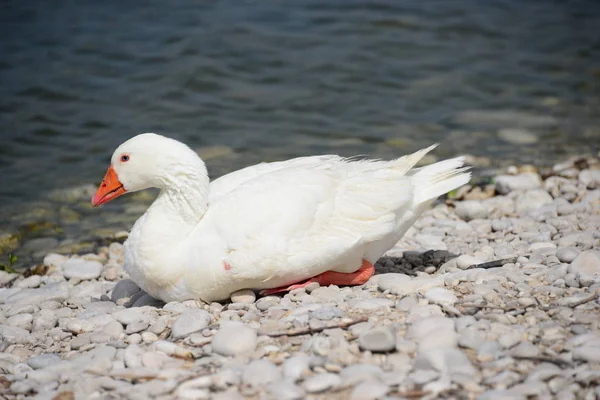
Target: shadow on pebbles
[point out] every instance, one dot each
(492, 294)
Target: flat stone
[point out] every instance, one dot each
(586, 263)
(471, 209)
(589, 354)
(371, 304)
(356, 373)
(43, 360)
(234, 339)
(265, 303)
(445, 360)
(441, 296)
(295, 366)
(31, 282)
(526, 181)
(321, 382)
(369, 390)
(54, 291)
(245, 296)
(525, 349)
(327, 313)
(379, 339)
(131, 316)
(77, 268)
(190, 322)
(532, 200)
(147, 301)
(124, 289)
(260, 372)
(401, 285)
(285, 390)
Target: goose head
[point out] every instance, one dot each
(147, 161)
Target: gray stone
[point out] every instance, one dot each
(369, 390)
(124, 289)
(371, 304)
(531, 200)
(567, 254)
(77, 268)
(260, 372)
(589, 354)
(265, 303)
(471, 209)
(43, 360)
(526, 181)
(295, 367)
(379, 339)
(190, 322)
(234, 339)
(356, 373)
(586, 263)
(131, 316)
(54, 291)
(147, 300)
(285, 390)
(327, 313)
(321, 382)
(445, 360)
(525, 349)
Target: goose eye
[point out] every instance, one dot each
(124, 158)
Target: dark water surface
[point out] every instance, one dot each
(277, 79)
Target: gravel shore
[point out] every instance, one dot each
(493, 294)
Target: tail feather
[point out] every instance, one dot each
(440, 178)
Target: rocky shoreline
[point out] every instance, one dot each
(493, 294)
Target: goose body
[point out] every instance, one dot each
(268, 225)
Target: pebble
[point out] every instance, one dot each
(31, 282)
(77, 268)
(43, 360)
(321, 382)
(465, 261)
(295, 367)
(245, 296)
(441, 296)
(532, 200)
(380, 339)
(369, 390)
(234, 339)
(586, 263)
(124, 289)
(260, 373)
(285, 390)
(471, 209)
(526, 181)
(190, 322)
(567, 254)
(525, 349)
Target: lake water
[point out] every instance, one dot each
(267, 80)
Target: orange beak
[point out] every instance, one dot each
(109, 189)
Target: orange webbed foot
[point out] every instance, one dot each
(360, 277)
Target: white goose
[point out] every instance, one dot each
(274, 226)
